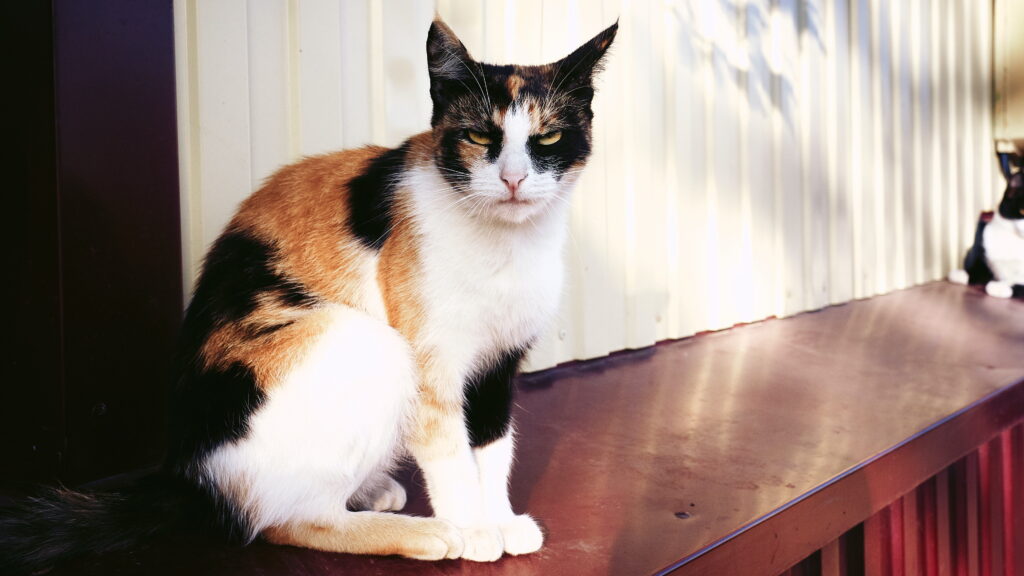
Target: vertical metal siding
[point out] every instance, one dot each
(966, 520)
(753, 157)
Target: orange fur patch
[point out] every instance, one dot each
(303, 210)
(514, 84)
(397, 276)
(498, 116)
(364, 533)
(270, 356)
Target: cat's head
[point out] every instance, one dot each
(1012, 205)
(512, 138)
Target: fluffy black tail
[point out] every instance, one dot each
(37, 533)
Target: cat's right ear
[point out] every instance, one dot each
(448, 63)
(580, 67)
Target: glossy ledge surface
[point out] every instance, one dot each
(724, 453)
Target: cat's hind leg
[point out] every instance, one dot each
(330, 423)
(373, 533)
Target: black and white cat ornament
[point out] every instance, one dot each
(996, 260)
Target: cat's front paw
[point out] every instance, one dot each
(482, 544)
(999, 289)
(522, 535)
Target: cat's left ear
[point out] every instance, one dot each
(448, 63)
(580, 67)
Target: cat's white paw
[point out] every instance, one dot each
(999, 289)
(959, 276)
(522, 535)
(482, 544)
(391, 497)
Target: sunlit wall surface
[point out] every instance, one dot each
(753, 157)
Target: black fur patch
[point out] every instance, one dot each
(572, 147)
(1012, 204)
(488, 402)
(371, 195)
(210, 407)
(448, 159)
(239, 270)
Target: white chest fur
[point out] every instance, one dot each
(1004, 249)
(487, 288)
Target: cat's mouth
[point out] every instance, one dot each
(517, 202)
(517, 210)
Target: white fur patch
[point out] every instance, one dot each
(521, 535)
(959, 276)
(331, 424)
(494, 462)
(1004, 249)
(999, 289)
(454, 489)
(487, 286)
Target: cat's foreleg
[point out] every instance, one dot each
(440, 444)
(520, 533)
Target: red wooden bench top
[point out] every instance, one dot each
(737, 452)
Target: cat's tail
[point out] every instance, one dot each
(60, 524)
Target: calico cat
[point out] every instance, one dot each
(361, 306)
(996, 260)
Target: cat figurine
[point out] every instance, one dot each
(996, 260)
(361, 307)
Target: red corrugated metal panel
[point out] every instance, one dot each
(965, 521)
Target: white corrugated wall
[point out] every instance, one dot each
(753, 157)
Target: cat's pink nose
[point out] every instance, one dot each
(513, 180)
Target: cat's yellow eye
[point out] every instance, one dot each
(549, 138)
(478, 138)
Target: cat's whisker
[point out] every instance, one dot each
(462, 200)
(459, 172)
(572, 173)
(487, 92)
